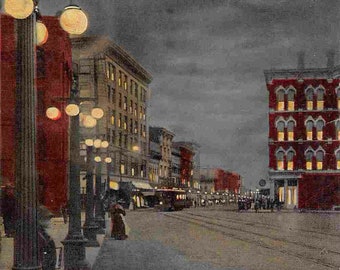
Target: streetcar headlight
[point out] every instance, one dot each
(160, 203)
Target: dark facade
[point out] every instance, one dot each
(304, 133)
(54, 65)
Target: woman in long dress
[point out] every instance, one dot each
(118, 226)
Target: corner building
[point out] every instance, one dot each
(304, 134)
(112, 80)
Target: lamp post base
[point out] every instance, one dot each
(74, 254)
(90, 232)
(101, 225)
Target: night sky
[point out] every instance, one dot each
(207, 59)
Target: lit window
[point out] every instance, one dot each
(309, 99)
(122, 168)
(309, 130)
(113, 73)
(280, 131)
(112, 117)
(309, 157)
(319, 129)
(338, 95)
(291, 97)
(133, 171)
(125, 82)
(290, 129)
(280, 160)
(107, 70)
(280, 97)
(120, 120)
(337, 123)
(320, 99)
(125, 104)
(120, 79)
(338, 160)
(319, 160)
(290, 162)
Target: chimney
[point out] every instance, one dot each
(330, 59)
(301, 60)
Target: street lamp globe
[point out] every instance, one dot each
(53, 113)
(89, 121)
(97, 143)
(73, 20)
(108, 160)
(89, 142)
(42, 33)
(97, 113)
(104, 144)
(97, 159)
(19, 9)
(72, 109)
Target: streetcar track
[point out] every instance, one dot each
(209, 225)
(259, 224)
(270, 237)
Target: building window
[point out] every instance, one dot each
(337, 154)
(320, 99)
(280, 131)
(135, 113)
(120, 120)
(136, 127)
(107, 67)
(109, 93)
(309, 99)
(290, 161)
(125, 122)
(319, 129)
(140, 112)
(280, 98)
(319, 160)
(309, 130)
(280, 160)
(136, 90)
(338, 96)
(120, 79)
(131, 86)
(290, 130)
(125, 103)
(131, 106)
(125, 82)
(113, 117)
(337, 125)
(120, 100)
(291, 98)
(309, 159)
(122, 169)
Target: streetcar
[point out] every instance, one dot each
(168, 199)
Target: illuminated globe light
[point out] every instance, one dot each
(104, 144)
(89, 142)
(97, 113)
(97, 159)
(89, 121)
(42, 33)
(135, 148)
(19, 9)
(108, 160)
(73, 20)
(97, 143)
(53, 113)
(72, 109)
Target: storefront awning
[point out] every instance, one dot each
(114, 185)
(148, 193)
(141, 185)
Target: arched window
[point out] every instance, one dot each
(290, 162)
(309, 130)
(319, 160)
(337, 125)
(309, 158)
(338, 95)
(291, 100)
(280, 160)
(280, 131)
(290, 130)
(319, 129)
(337, 155)
(280, 99)
(309, 99)
(320, 99)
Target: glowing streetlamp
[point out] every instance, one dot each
(73, 20)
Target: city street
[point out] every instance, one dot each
(206, 238)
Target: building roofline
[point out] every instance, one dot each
(108, 46)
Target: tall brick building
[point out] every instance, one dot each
(304, 134)
(54, 66)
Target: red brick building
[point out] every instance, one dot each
(54, 64)
(186, 163)
(304, 134)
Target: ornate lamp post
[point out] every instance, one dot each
(29, 34)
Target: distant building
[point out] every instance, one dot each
(162, 138)
(304, 134)
(112, 80)
(53, 73)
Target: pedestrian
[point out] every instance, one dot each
(118, 231)
(8, 209)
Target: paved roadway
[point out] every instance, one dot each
(212, 238)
